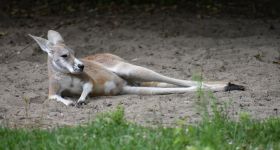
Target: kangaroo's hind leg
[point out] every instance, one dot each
(156, 84)
(155, 90)
(136, 73)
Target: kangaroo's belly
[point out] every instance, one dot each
(108, 88)
(101, 87)
(72, 85)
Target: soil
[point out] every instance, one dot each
(239, 50)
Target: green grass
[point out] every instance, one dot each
(112, 131)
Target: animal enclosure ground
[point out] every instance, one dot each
(240, 50)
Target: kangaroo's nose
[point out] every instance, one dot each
(81, 66)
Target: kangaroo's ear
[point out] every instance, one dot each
(54, 37)
(44, 44)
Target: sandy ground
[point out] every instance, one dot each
(176, 45)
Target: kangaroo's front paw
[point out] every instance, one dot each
(232, 87)
(80, 103)
(60, 99)
(69, 103)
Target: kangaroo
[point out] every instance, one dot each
(107, 74)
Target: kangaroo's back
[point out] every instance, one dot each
(106, 59)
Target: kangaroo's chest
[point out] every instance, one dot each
(72, 84)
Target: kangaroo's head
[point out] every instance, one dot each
(61, 57)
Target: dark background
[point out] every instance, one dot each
(244, 8)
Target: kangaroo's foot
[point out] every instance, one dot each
(232, 87)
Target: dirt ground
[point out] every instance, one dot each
(177, 45)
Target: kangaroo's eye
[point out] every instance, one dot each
(64, 56)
